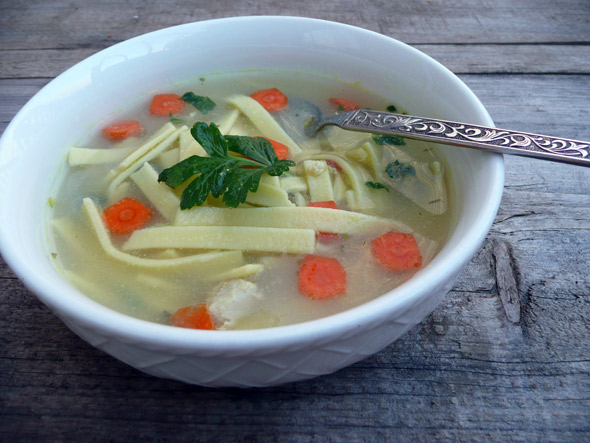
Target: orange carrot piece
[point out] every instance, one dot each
(126, 216)
(165, 104)
(326, 237)
(271, 99)
(397, 251)
(193, 317)
(346, 105)
(325, 204)
(281, 150)
(122, 129)
(321, 277)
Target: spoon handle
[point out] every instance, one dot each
(465, 134)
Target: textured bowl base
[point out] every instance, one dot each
(263, 368)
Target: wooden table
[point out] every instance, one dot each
(505, 357)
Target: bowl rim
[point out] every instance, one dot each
(330, 328)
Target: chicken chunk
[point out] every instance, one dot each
(233, 300)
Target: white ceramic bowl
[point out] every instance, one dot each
(33, 147)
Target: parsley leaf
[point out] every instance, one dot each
(388, 140)
(377, 185)
(397, 169)
(212, 141)
(223, 174)
(203, 104)
(254, 147)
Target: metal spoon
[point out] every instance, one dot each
(459, 134)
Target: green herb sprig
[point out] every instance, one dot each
(223, 174)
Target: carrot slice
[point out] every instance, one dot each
(122, 129)
(321, 277)
(271, 99)
(281, 150)
(397, 251)
(346, 105)
(326, 237)
(325, 204)
(126, 216)
(193, 317)
(166, 104)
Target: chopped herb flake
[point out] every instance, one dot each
(397, 169)
(176, 121)
(51, 201)
(377, 185)
(391, 108)
(203, 104)
(388, 140)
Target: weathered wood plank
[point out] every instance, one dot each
(40, 63)
(553, 105)
(60, 25)
(461, 59)
(511, 59)
(544, 104)
(13, 96)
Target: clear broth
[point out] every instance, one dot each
(154, 296)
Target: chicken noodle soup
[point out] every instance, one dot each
(212, 209)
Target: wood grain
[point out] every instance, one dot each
(56, 24)
(487, 59)
(505, 357)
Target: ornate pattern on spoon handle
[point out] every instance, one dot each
(464, 134)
